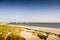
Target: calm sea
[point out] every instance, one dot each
(51, 25)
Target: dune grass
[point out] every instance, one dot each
(10, 33)
(13, 33)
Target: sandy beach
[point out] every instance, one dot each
(54, 30)
(29, 35)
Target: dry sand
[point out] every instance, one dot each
(29, 36)
(54, 30)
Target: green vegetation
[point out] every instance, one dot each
(13, 33)
(15, 36)
(41, 35)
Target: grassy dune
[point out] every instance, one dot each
(14, 33)
(10, 33)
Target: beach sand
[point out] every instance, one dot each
(29, 36)
(54, 30)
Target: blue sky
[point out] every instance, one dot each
(29, 11)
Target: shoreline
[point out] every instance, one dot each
(34, 33)
(53, 30)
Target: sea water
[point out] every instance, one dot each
(51, 25)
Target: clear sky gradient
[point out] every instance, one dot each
(29, 11)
